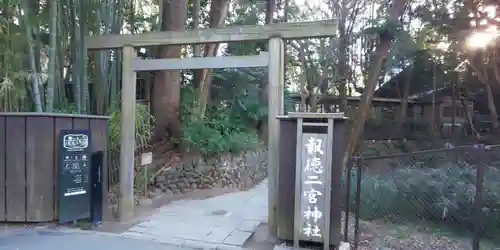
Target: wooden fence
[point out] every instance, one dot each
(29, 162)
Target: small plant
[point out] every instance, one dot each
(143, 127)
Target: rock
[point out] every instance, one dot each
(145, 202)
(198, 181)
(169, 192)
(191, 175)
(181, 185)
(151, 194)
(159, 185)
(160, 178)
(176, 191)
(176, 175)
(193, 186)
(172, 186)
(248, 183)
(186, 190)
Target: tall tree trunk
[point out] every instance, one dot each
(491, 102)
(82, 51)
(271, 8)
(75, 80)
(166, 95)
(378, 58)
(34, 78)
(483, 78)
(404, 99)
(342, 63)
(218, 14)
(492, 108)
(49, 105)
(196, 25)
(62, 51)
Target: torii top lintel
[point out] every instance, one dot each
(296, 30)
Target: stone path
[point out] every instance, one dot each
(222, 222)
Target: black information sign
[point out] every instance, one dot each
(74, 175)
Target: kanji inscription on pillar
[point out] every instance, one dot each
(313, 187)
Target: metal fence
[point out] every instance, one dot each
(446, 198)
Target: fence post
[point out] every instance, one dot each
(478, 198)
(359, 171)
(350, 163)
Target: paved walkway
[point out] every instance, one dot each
(222, 222)
(40, 239)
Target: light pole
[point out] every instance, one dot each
(433, 113)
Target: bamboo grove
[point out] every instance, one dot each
(44, 66)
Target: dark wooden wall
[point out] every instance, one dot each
(29, 162)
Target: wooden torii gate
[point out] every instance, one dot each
(273, 59)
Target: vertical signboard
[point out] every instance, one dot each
(313, 187)
(96, 190)
(74, 175)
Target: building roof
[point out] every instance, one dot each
(421, 82)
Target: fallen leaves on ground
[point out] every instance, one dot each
(387, 236)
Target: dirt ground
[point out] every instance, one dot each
(382, 235)
(375, 235)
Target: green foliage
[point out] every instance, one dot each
(212, 136)
(69, 108)
(288, 102)
(386, 28)
(143, 127)
(444, 194)
(225, 128)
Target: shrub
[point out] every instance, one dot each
(228, 128)
(442, 194)
(213, 136)
(143, 127)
